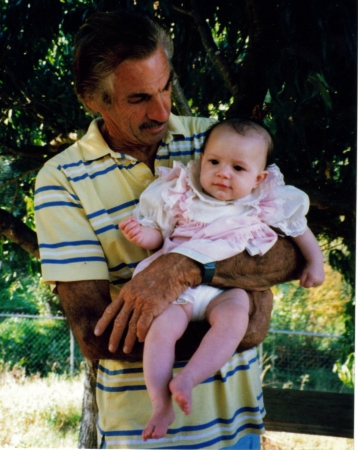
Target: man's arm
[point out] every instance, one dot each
(84, 302)
(150, 292)
(283, 262)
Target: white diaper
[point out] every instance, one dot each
(200, 296)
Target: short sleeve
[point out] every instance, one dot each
(291, 216)
(157, 206)
(150, 210)
(69, 247)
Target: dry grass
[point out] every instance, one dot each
(46, 413)
(39, 413)
(292, 441)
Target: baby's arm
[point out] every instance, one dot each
(313, 273)
(145, 237)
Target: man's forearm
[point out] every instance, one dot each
(282, 263)
(83, 303)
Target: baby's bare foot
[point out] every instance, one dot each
(181, 388)
(158, 424)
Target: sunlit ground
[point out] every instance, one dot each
(292, 441)
(40, 413)
(46, 413)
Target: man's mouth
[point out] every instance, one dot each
(152, 125)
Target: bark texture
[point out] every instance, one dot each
(88, 430)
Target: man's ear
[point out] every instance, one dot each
(261, 177)
(91, 104)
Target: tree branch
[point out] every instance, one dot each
(182, 10)
(35, 151)
(181, 103)
(216, 57)
(19, 233)
(261, 55)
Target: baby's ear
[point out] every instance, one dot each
(261, 177)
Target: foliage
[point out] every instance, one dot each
(318, 310)
(303, 362)
(21, 288)
(38, 346)
(346, 370)
(297, 60)
(311, 358)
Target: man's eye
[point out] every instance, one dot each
(137, 99)
(238, 168)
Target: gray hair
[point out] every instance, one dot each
(108, 39)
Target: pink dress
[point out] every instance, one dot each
(198, 225)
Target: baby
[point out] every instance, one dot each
(219, 206)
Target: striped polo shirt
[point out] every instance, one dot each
(81, 196)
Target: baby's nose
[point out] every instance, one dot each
(224, 171)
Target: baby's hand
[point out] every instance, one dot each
(312, 275)
(132, 231)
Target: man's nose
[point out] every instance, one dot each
(159, 108)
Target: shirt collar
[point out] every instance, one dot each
(175, 128)
(94, 147)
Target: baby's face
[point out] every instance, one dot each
(232, 165)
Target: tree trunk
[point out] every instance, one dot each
(180, 102)
(262, 53)
(88, 430)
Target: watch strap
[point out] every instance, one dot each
(208, 272)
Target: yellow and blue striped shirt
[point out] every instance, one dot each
(81, 196)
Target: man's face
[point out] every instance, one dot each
(141, 102)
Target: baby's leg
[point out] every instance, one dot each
(228, 315)
(158, 360)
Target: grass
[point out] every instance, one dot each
(292, 441)
(39, 412)
(46, 413)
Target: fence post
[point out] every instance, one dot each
(72, 353)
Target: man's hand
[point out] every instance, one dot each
(152, 290)
(85, 301)
(146, 296)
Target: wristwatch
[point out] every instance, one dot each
(208, 270)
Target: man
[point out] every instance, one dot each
(123, 72)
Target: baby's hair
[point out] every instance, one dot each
(244, 127)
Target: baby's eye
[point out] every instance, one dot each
(238, 168)
(214, 162)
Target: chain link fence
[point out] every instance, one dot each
(288, 359)
(301, 360)
(38, 344)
